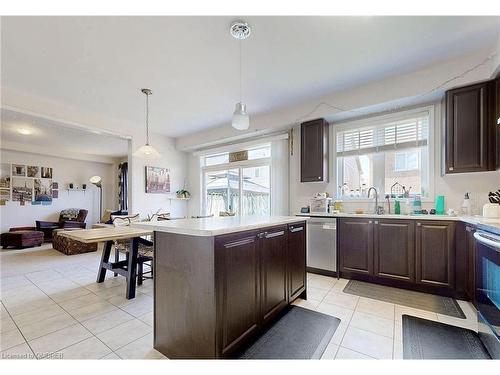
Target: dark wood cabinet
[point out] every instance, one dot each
(394, 249)
(470, 246)
(273, 258)
(355, 239)
(314, 151)
(296, 260)
(496, 119)
(435, 253)
(470, 128)
(239, 288)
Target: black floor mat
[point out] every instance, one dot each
(426, 339)
(299, 334)
(410, 298)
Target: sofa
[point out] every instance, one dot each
(68, 218)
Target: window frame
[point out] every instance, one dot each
(235, 165)
(380, 119)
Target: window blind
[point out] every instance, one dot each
(406, 132)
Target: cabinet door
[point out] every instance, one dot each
(394, 249)
(273, 271)
(435, 253)
(314, 151)
(238, 288)
(356, 245)
(469, 129)
(470, 245)
(296, 259)
(496, 119)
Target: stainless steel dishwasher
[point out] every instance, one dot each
(322, 244)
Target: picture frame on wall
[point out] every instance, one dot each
(5, 176)
(4, 194)
(18, 170)
(43, 190)
(22, 189)
(46, 172)
(33, 171)
(157, 180)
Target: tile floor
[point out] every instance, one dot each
(52, 308)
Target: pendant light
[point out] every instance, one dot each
(241, 121)
(147, 151)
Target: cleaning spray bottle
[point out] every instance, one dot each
(466, 206)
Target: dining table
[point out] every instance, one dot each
(108, 235)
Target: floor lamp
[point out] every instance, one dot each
(96, 180)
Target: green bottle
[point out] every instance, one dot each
(397, 208)
(440, 205)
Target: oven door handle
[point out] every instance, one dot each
(486, 241)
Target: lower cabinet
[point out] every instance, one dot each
(273, 272)
(355, 239)
(414, 254)
(238, 288)
(394, 249)
(258, 274)
(296, 260)
(435, 253)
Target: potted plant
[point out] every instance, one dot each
(183, 194)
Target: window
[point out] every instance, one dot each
(385, 152)
(242, 187)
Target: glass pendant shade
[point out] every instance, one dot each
(147, 152)
(241, 120)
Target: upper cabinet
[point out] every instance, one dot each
(314, 151)
(470, 128)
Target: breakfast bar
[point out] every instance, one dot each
(220, 281)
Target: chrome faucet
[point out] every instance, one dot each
(378, 210)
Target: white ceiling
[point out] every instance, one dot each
(53, 136)
(98, 64)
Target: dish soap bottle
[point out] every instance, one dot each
(466, 206)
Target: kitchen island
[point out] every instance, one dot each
(220, 281)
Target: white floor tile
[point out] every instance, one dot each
(344, 353)
(345, 300)
(111, 356)
(316, 294)
(46, 326)
(124, 334)
(58, 340)
(339, 312)
(147, 318)
(106, 321)
(22, 351)
(373, 323)
(368, 343)
(330, 351)
(307, 304)
(140, 349)
(10, 338)
(403, 310)
(91, 348)
(375, 307)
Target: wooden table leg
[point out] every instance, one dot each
(101, 275)
(132, 268)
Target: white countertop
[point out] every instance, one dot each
(215, 226)
(475, 220)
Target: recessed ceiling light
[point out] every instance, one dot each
(24, 131)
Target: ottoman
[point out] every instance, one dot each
(21, 238)
(68, 246)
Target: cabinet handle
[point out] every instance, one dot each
(369, 221)
(274, 234)
(450, 169)
(419, 224)
(245, 241)
(376, 221)
(296, 229)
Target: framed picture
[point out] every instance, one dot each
(43, 190)
(5, 176)
(46, 172)
(157, 180)
(55, 185)
(33, 171)
(18, 170)
(4, 194)
(55, 194)
(22, 189)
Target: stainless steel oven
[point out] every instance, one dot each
(488, 290)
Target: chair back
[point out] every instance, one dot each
(73, 214)
(125, 220)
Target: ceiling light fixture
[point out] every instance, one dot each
(241, 121)
(147, 151)
(24, 131)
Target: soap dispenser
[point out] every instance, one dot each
(466, 205)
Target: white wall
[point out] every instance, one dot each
(453, 187)
(146, 203)
(64, 172)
